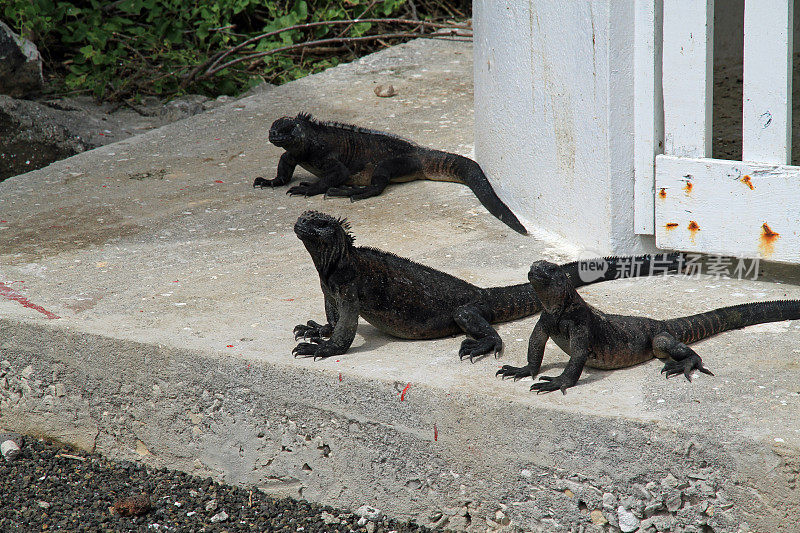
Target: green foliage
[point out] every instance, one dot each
(124, 48)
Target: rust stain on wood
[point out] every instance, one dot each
(671, 225)
(767, 240)
(693, 229)
(688, 187)
(746, 180)
(662, 193)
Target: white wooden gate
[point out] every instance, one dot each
(691, 202)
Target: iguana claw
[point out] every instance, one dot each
(312, 330)
(516, 372)
(550, 384)
(685, 367)
(263, 182)
(305, 349)
(477, 348)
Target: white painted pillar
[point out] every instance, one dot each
(767, 105)
(554, 125)
(687, 78)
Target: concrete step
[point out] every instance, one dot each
(177, 285)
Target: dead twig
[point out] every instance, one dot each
(211, 63)
(347, 28)
(70, 456)
(404, 35)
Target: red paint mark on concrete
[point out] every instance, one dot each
(218, 181)
(340, 376)
(435, 433)
(403, 394)
(10, 294)
(229, 346)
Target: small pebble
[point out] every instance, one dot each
(369, 513)
(385, 90)
(132, 506)
(9, 449)
(627, 520)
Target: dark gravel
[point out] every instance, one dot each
(49, 487)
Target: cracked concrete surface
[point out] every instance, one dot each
(177, 286)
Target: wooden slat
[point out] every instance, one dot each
(648, 119)
(687, 76)
(767, 106)
(728, 207)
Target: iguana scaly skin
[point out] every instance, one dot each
(359, 163)
(599, 340)
(409, 300)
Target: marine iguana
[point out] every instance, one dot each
(359, 163)
(413, 301)
(599, 340)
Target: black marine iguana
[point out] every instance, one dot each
(412, 301)
(599, 340)
(360, 163)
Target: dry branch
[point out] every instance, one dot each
(214, 64)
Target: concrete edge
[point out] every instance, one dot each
(346, 441)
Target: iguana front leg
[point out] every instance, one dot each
(484, 337)
(332, 173)
(381, 176)
(578, 355)
(344, 331)
(286, 166)
(314, 331)
(680, 358)
(536, 346)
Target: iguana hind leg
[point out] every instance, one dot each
(680, 358)
(332, 173)
(484, 337)
(381, 176)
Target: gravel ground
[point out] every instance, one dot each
(49, 487)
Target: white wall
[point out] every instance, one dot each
(554, 116)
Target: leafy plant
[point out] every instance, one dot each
(126, 48)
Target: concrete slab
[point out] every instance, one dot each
(177, 286)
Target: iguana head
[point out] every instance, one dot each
(551, 284)
(287, 133)
(320, 231)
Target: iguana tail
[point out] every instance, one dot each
(588, 271)
(693, 328)
(517, 301)
(697, 327)
(444, 166)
